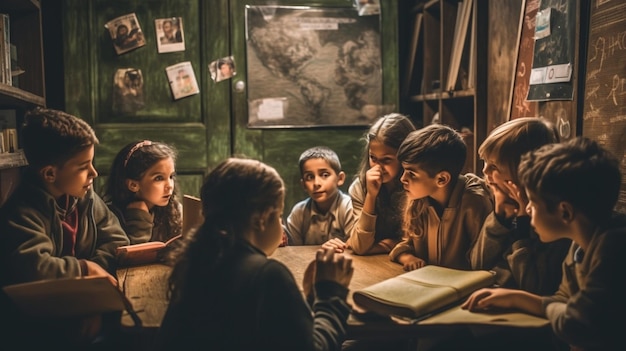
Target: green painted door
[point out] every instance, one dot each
(198, 125)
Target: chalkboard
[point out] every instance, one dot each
(604, 112)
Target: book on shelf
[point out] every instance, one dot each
(464, 10)
(9, 140)
(16, 70)
(152, 251)
(422, 292)
(471, 75)
(5, 50)
(69, 297)
(8, 131)
(417, 29)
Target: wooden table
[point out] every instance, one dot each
(146, 288)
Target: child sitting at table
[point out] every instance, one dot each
(326, 217)
(225, 292)
(572, 189)
(55, 226)
(377, 194)
(507, 243)
(141, 191)
(445, 209)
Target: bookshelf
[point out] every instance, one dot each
(446, 83)
(28, 90)
(26, 35)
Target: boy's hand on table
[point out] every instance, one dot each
(335, 244)
(410, 262)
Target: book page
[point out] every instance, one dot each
(150, 245)
(457, 315)
(69, 297)
(192, 213)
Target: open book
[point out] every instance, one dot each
(419, 293)
(144, 253)
(150, 252)
(69, 297)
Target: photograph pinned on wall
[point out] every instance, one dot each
(170, 34)
(126, 33)
(128, 97)
(367, 7)
(182, 80)
(223, 68)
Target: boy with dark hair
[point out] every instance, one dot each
(54, 225)
(445, 209)
(572, 189)
(325, 217)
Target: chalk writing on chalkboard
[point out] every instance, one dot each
(604, 112)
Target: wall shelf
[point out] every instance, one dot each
(442, 51)
(28, 90)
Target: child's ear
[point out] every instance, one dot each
(442, 178)
(48, 173)
(341, 178)
(132, 185)
(566, 211)
(260, 220)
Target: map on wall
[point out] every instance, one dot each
(312, 67)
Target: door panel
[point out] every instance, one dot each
(198, 126)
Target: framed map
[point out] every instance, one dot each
(312, 67)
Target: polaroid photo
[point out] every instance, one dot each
(125, 33)
(367, 7)
(170, 34)
(223, 68)
(128, 96)
(182, 80)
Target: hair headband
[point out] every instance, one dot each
(135, 148)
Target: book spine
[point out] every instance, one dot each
(5, 50)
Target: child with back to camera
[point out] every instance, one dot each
(507, 243)
(226, 294)
(55, 226)
(572, 188)
(445, 209)
(326, 217)
(377, 193)
(141, 191)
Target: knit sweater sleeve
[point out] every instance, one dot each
(363, 234)
(138, 225)
(284, 309)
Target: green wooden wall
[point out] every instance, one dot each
(210, 126)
